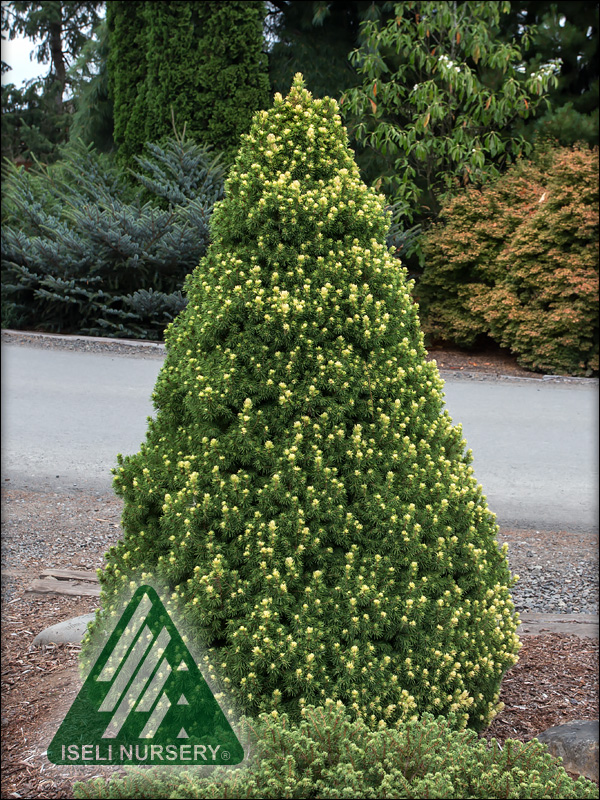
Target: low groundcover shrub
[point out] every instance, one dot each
(330, 756)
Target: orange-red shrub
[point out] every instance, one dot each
(518, 261)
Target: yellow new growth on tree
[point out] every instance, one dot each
(302, 489)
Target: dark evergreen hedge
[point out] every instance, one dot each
(201, 63)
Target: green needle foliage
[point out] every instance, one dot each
(86, 251)
(203, 62)
(328, 755)
(302, 489)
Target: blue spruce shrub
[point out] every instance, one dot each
(86, 251)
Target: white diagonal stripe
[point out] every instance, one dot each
(137, 685)
(156, 717)
(127, 670)
(127, 637)
(157, 683)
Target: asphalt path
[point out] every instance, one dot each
(66, 414)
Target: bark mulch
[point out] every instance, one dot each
(555, 681)
(489, 360)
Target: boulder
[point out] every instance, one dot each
(70, 630)
(577, 744)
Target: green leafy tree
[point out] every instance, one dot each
(440, 91)
(567, 29)
(199, 63)
(302, 491)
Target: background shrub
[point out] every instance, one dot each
(327, 755)
(84, 251)
(518, 261)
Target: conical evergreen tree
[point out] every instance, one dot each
(302, 489)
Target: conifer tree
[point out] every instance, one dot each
(84, 251)
(126, 74)
(232, 74)
(302, 490)
(199, 62)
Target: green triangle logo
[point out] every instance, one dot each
(145, 702)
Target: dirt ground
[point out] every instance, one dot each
(555, 680)
(491, 360)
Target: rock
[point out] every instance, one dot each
(534, 623)
(577, 744)
(70, 630)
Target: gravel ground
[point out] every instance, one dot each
(89, 344)
(558, 569)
